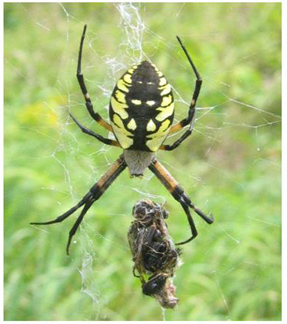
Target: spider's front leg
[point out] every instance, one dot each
(99, 137)
(189, 120)
(93, 195)
(178, 193)
(95, 115)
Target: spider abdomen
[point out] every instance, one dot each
(142, 108)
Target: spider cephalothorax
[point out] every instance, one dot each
(141, 113)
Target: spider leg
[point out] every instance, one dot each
(191, 224)
(191, 112)
(82, 202)
(96, 116)
(182, 138)
(178, 194)
(93, 195)
(97, 136)
(77, 224)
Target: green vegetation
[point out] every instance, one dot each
(231, 165)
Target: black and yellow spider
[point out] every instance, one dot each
(141, 113)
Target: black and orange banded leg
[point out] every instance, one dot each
(96, 116)
(191, 112)
(178, 194)
(97, 136)
(93, 195)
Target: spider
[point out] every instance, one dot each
(141, 112)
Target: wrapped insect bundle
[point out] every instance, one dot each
(154, 254)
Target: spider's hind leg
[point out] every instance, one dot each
(178, 194)
(93, 195)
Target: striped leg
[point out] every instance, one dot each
(97, 136)
(96, 116)
(191, 112)
(93, 195)
(178, 194)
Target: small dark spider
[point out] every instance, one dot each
(141, 113)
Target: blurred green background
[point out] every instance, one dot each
(231, 165)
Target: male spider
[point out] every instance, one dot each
(141, 113)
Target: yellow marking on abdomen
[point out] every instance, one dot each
(122, 85)
(150, 102)
(121, 132)
(120, 96)
(166, 90)
(162, 81)
(155, 140)
(166, 100)
(151, 126)
(128, 78)
(136, 102)
(165, 112)
(132, 124)
(119, 108)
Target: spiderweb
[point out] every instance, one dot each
(222, 117)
